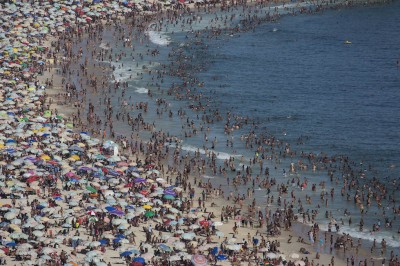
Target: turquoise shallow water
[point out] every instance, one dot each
(296, 78)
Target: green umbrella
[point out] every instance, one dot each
(149, 214)
(59, 117)
(169, 197)
(91, 189)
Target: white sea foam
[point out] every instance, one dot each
(219, 155)
(104, 46)
(159, 38)
(208, 177)
(122, 73)
(390, 239)
(142, 90)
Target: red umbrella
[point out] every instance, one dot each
(105, 170)
(144, 192)
(32, 179)
(204, 223)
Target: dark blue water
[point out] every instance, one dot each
(301, 79)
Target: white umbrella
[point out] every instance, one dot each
(234, 247)
(299, 263)
(10, 215)
(272, 255)
(294, 256)
(38, 233)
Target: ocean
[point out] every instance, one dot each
(324, 83)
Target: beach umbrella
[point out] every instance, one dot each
(168, 197)
(10, 215)
(125, 253)
(194, 226)
(91, 189)
(95, 244)
(199, 260)
(294, 256)
(234, 247)
(139, 260)
(188, 236)
(174, 210)
(272, 255)
(149, 214)
(221, 257)
(147, 207)
(38, 233)
(231, 240)
(164, 248)
(117, 213)
(299, 263)
(217, 224)
(179, 245)
(174, 258)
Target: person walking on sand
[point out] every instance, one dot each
(235, 229)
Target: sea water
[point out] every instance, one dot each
(296, 78)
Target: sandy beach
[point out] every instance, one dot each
(75, 192)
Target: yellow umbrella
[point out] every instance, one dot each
(147, 207)
(1, 146)
(45, 157)
(75, 157)
(14, 227)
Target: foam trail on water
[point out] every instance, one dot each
(142, 90)
(391, 240)
(122, 73)
(158, 38)
(219, 155)
(104, 46)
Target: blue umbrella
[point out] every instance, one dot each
(214, 251)
(2, 224)
(139, 259)
(118, 213)
(170, 192)
(221, 257)
(113, 173)
(125, 253)
(103, 241)
(120, 236)
(164, 247)
(110, 209)
(11, 244)
(132, 169)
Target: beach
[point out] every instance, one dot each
(89, 178)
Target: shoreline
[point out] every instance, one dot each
(327, 257)
(110, 255)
